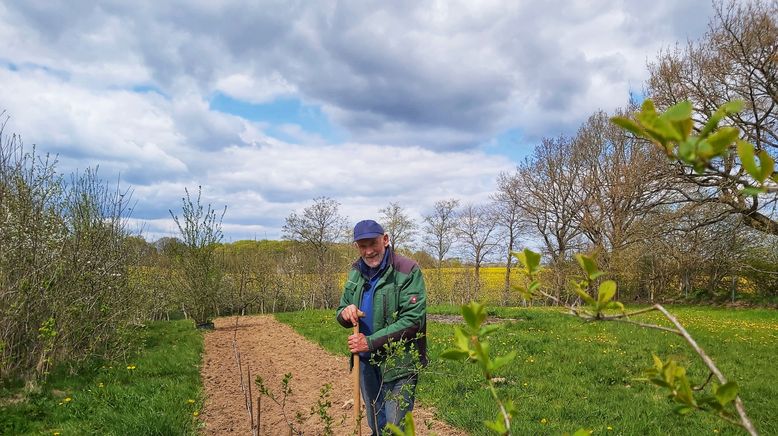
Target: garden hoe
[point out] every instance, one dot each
(357, 405)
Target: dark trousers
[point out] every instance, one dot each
(385, 402)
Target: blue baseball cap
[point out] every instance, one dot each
(367, 229)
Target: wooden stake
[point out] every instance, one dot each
(250, 396)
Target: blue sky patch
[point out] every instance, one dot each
(510, 143)
(149, 89)
(282, 111)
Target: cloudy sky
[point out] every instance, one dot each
(267, 105)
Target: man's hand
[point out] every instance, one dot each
(357, 343)
(350, 313)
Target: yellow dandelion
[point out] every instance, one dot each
(543, 421)
(610, 428)
(190, 401)
(131, 367)
(196, 413)
(67, 400)
(56, 433)
(100, 385)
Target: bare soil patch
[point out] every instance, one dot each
(272, 349)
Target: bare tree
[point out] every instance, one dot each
(546, 188)
(476, 231)
(737, 59)
(623, 181)
(439, 228)
(439, 233)
(319, 227)
(508, 219)
(398, 225)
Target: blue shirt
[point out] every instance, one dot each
(366, 305)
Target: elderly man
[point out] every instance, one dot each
(389, 289)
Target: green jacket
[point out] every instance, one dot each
(399, 313)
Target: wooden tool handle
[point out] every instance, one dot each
(357, 396)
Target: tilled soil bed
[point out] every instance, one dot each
(271, 349)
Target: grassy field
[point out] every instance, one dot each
(570, 374)
(158, 392)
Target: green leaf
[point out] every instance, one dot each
(726, 393)
(752, 190)
(658, 364)
(683, 410)
(474, 314)
(584, 296)
(525, 294)
(684, 126)
(661, 141)
(687, 150)
(410, 426)
(733, 107)
(488, 329)
(497, 426)
(499, 362)
(678, 112)
(628, 125)
(767, 163)
(704, 150)
(660, 382)
(668, 372)
(665, 129)
(647, 107)
(589, 266)
(712, 123)
(605, 292)
(530, 260)
(722, 139)
(746, 153)
(485, 347)
(395, 430)
(685, 392)
(706, 400)
(452, 354)
(462, 341)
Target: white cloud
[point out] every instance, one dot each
(261, 185)
(245, 87)
(92, 125)
(417, 88)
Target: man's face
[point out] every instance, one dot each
(372, 250)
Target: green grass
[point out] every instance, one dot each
(147, 395)
(569, 374)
